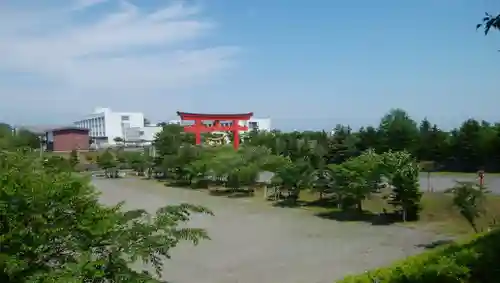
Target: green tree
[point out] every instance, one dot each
(186, 154)
(25, 138)
(342, 145)
(73, 158)
(6, 136)
(272, 163)
(398, 132)
(489, 22)
(198, 171)
(322, 181)
(292, 178)
(368, 138)
(358, 176)
(170, 139)
(433, 144)
(53, 229)
(467, 145)
(423, 149)
(57, 163)
(402, 172)
(107, 161)
(469, 199)
(242, 176)
(137, 161)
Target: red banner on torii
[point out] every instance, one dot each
(200, 127)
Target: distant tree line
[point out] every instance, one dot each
(11, 137)
(473, 146)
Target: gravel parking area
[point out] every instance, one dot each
(442, 183)
(253, 242)
(439, 183)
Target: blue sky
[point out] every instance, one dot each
(307, 66)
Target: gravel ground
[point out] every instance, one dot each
(253, 242)
(441, 183)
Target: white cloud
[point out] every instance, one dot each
(82, 4)
(123, 49)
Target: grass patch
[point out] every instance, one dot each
(438, 214)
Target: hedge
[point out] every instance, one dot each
(474, 261)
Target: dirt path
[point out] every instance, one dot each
(253, 242)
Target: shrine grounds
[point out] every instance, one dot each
(251, 241)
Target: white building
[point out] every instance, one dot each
(257, 124)
(142, 135)
(105, 125)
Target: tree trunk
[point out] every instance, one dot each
(359, 206)
(475, 228)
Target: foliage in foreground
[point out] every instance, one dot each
(52, 228)
(474, 261)
(490, 22)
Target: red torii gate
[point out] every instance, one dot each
(199, 127)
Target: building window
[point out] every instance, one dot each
(253, 125)
(125, 118)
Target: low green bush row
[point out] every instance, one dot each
(474, 261)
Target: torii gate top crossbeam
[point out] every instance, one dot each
(203, 116)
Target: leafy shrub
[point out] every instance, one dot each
(473, 261)
(57, 163)
(53, 229)
(74, 158)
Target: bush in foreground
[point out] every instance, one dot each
(474, 261)
(52, 228)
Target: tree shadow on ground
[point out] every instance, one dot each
(357, 216)
(177, 183)
(435, 244)
(289, 203)
(324, 203)
(231, 193)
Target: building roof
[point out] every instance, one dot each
(188, 115)
(69, 128)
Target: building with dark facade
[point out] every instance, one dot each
(67, 139)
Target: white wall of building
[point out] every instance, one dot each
(259, 124)
(106, 125)
(142, 135)
(177, 122)
(149, 133)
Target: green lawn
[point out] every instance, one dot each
(438, 214)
